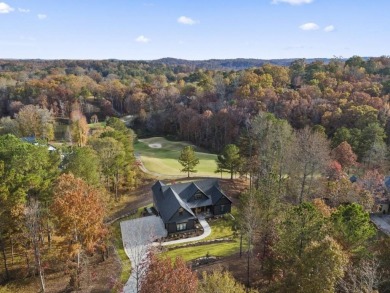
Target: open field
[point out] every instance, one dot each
(160, 155)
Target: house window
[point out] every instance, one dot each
(181, 211)
(181, 226)
(198, 195)
(222, 208)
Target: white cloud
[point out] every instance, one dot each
(329, 28)
(186, 20)
(142, 39)
(292, 2)
(23, 10)
(310, 26)
(5, 8)
(42, 16)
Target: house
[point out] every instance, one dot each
(178, 205)
(34, 141)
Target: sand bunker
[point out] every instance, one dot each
(155, 145)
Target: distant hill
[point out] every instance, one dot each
(229, 64)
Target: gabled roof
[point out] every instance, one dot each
(168, 201)
(169, 198)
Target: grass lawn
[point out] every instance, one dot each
(164, 160)
(221, 228)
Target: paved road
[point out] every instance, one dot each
(382, 222)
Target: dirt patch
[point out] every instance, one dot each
(234, 188)
(155, 145)
(237, 266)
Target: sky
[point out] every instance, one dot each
(193, 29)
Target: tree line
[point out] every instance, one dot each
(209, 107)
(305, 220)
(61, 194)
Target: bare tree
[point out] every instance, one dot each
(311, 154)
(363, 277)
(33, 225)
(249, 222)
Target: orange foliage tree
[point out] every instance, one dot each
(79, 212)
(344, 154)
(164, 276)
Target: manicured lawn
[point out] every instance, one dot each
(164, 160)
(194, 252)
(219, 229)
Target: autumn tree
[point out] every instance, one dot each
(344, 154)
(343, 191)
(35, 121)
(229, 160)
(220, 282)
(311, 155)
(362, 276)
(165, 276)
(78, 128)
(320, 268)
(188, 160)
(270, 146)
(10, 126)
(79, 213)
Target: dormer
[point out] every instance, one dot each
(197, 193)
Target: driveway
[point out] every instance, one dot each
(137, 236)
(382, 222)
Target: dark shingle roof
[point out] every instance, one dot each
(169, 198)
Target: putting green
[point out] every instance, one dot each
(160, 155)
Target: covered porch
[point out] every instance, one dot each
(206, 211)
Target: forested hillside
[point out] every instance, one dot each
(295, 133)
(208, 107)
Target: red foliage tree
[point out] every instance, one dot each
(165, 276)
(344, 154)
